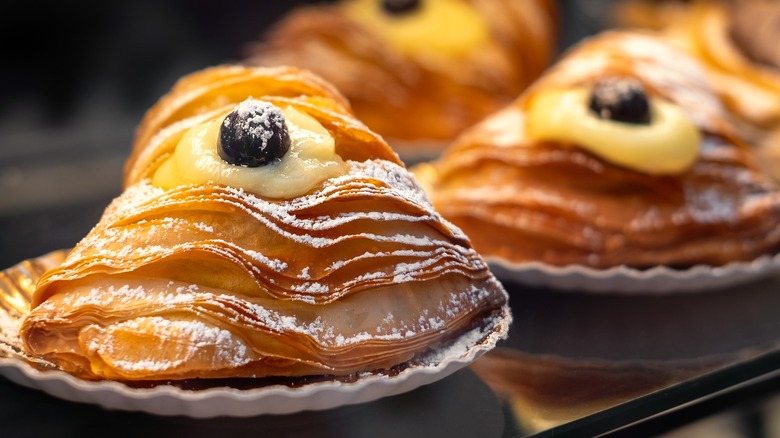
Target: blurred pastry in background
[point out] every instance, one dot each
(621, 154)
(264, 232)
(418, 72)
(647, 14)
(737, 42)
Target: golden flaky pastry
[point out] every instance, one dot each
(736, 42)
(620, 155)
(418, 72)
(263, 231)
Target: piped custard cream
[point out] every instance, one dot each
(308, 157)
(666, 143)
(424, 27)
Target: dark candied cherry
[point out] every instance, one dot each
(253, 135)
(621, 100)
(398, 7)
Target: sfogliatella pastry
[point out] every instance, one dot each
(262, 231)
(621, 154)
(418, 72)
(737, 44)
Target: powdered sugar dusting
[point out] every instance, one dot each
(402, 320)
(467, 342)
(331, 272)
(9, 327)
(188, 339)
(258, 119)
(181, 220)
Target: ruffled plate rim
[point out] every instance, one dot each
(627, 280)
(169, 400)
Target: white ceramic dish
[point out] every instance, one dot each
(626, 280)
(17, 283)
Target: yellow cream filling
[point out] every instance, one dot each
(451, 28)
(668, 145)
(311, 159)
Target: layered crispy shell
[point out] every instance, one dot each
(210, 281)
(417, 103)
(521, 199)
(737, 44)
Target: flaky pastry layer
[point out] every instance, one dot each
(522, 200)
(750, 88)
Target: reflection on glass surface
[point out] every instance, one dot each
(588, 358)
(542, 392)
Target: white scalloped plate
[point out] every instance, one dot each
(17, 282)
(627, 280)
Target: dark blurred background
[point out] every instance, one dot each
(64, 60)
(77, 77)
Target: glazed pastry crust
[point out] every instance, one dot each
(407, 100)
(523, 200)
(211, 281)
(750, 89)
(737, 43)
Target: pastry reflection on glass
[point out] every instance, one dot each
(262, 231)
(545, 391)
(620, 155)
(418, 71)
